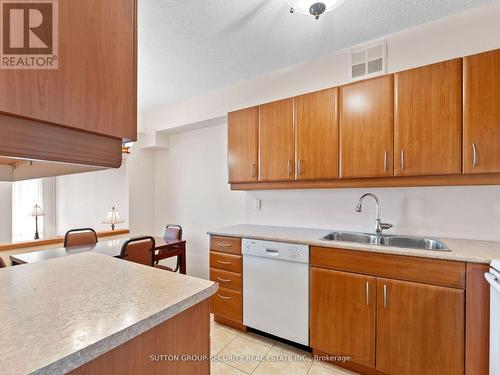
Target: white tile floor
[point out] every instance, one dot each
(239, 353)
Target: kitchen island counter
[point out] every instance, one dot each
(58, 315)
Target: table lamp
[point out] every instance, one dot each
(113, 218)
(37, 211)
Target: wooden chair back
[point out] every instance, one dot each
(139, 250)
(80, 237)
(172, 232)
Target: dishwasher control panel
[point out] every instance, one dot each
(277, 250)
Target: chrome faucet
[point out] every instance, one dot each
(379, 226)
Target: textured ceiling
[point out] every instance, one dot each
(189, 47)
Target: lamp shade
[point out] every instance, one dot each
(113, 217)
(37, 211)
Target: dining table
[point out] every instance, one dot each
(164, 248)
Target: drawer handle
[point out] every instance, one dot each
(224, 244)
(367, 292)
(222, 262)
(385, 296)
(224, 280)
(224, 297)
(474, 156)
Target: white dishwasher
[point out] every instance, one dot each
(276, 289)
(493, 277)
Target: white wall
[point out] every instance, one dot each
(5, 212)
(83, 200)
(191, 178)
(141, 183)
(192, 190)
(460, 212)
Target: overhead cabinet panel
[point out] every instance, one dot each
(317, 135)
(94, 86)
(276, 141)
(242, 139)
(482, 113)
(428, 120)
(366, 128)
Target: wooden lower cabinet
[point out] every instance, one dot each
(226, 269)
(228, 304)
(420, 328)
(387, 326)
(343, 314)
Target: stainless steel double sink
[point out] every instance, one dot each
(410, 242)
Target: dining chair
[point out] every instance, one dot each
(79, 237)
(139, 250)
(172, 232)
(2, 263)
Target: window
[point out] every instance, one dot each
(25, 194)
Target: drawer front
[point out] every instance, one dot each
(227, 279)
(424, 270)
(228, 245)
(226, 262)
(228, 304)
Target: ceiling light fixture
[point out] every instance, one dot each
(313, 7)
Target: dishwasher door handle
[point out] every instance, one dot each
(493, 281)
(272, 251)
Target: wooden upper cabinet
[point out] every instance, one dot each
(420, 329)
(276, 141)
(366, 128)
(242, 142)
(94, 87)
(482, 113)
(343, 314)
(428, 120)
(317, 135)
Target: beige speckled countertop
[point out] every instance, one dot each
(59, 314)
(461, 250)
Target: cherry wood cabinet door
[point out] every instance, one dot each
(428, 120)
(94, 87)
(242, 143)
(420, 329)
(366, 128)
(482, 113)
(276, 141)
(317, 135)
(342, 314)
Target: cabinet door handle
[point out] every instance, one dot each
(224, 297)
(385, 296)
(289, 167)
(402, 160)
(253, 170)
(222, 262)
(300, 167)
(474, 155)
(224, 280)
(367, 291)
(224, 244)
(385, 161)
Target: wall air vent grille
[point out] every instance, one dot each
(368, 60)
